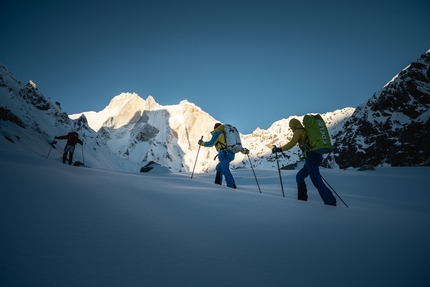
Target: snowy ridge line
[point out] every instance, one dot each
(131, 131)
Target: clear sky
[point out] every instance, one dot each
(248, 63)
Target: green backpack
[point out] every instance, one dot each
(318, 136)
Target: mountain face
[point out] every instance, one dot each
(260, 142)
(142, 131)
(31, 121)
(393, 126)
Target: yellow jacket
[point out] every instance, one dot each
(299, 136)
(218, 139)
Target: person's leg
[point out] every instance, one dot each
(225, 167)
(70, 150)
(64, 156)
(314, 161)
(70, 157)
(218, 177)
(302, 191)
(66, 151)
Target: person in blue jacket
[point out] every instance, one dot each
(225, 156)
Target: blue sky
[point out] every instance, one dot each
(248, 63)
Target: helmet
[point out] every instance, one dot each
(217, 125)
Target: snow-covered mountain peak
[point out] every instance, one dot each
(143, 130)
(123, 100)
(187, 103)
(125, 107)
(29, 121)
(31, 83)
(392, 127)
(151, 104)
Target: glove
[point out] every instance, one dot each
(276, 149)
(245, 151)
(55, 137)
(201, 142)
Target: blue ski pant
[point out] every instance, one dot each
(311, 168)
(225, 157)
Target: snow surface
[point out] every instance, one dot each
(84, 226)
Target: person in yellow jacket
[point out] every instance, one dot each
(311, 168)
(225, 156)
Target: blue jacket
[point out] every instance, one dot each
(217, 140)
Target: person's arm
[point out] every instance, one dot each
(292, 142)
(213, 140)
(245, 151)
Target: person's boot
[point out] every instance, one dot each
(218, 178)
(302, 193)
(70, 158)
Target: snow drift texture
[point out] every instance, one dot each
(74, 226)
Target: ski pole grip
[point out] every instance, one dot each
(276, 153)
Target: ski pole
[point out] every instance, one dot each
(52, 145)
(254, 173)
(196, 159)
(334, 191)
(279, 171)
(83, 158)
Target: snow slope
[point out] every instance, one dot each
(75, 226)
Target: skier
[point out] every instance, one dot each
(311, 168)
(72, 139)
(225, 156)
